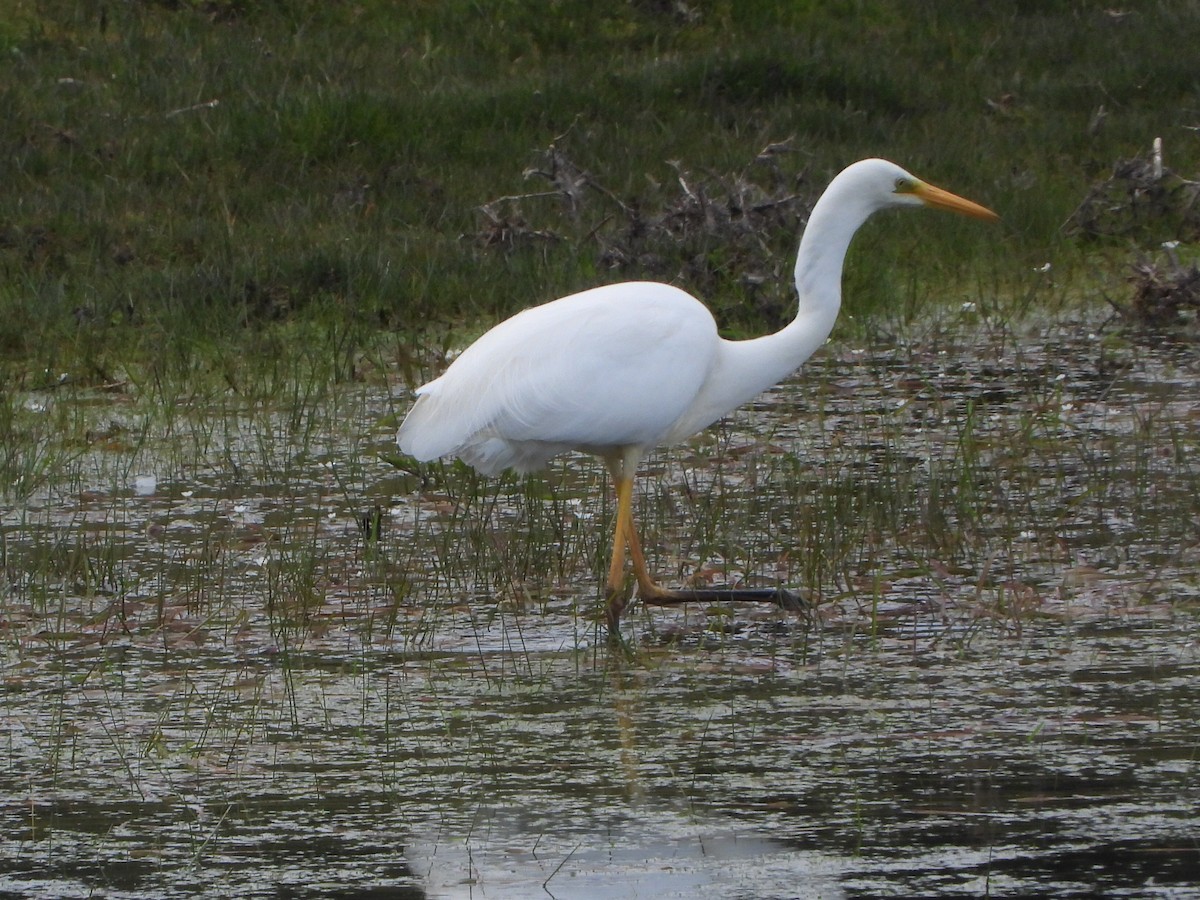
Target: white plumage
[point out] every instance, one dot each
(592, 375)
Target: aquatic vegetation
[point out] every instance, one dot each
(240, 645)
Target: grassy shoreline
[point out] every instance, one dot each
(195, 184)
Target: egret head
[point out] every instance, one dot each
(882, 184)
(908, 190)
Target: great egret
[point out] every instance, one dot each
(621, 369)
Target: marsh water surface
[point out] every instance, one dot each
(245, 655)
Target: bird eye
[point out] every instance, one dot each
(905, 186)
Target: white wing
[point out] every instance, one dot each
(611, 367)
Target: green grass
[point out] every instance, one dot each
(183, 178)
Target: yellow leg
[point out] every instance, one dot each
(616, 568)
(648, 588)
(625, 535)
(617, 596)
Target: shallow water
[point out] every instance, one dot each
(216, 683)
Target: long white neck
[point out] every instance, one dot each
(747, 368)
(838, 214)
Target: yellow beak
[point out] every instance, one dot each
(939, 199)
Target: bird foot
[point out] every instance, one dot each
(618, 600)
(615, 603)
(791, 601)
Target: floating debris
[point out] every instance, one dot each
(1165, 295)
(707, 231)
(1142, 199)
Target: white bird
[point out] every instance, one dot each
(621, 369)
